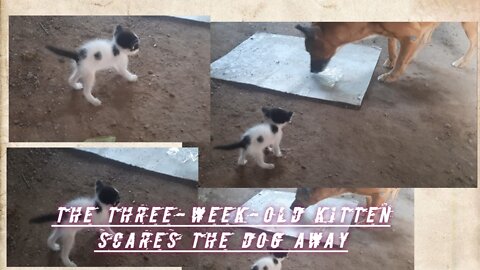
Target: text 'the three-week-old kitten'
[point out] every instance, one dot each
(100, 54)
(105, 196)
(254, 141)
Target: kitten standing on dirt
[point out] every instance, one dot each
(100, 54)
(265, 135)
(105, 196)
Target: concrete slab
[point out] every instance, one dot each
(280, 63)
(177, 162)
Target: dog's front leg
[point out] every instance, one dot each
(407, 50)
(392, 53)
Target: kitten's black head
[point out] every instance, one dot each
(277, 115)
(279, 255)
(107, 194)
(126, 39)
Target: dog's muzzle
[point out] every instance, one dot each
(317, 66)
(297, 203)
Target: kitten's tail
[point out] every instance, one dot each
(44, 218)
(241, 144)
(70, 54)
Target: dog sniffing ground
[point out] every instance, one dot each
(419, 131)
(169, 102)
(38, 180)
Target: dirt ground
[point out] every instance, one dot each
(38, 180)
(169, 102)
(385, 248)
(417, 132)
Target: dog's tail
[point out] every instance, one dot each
(241, 144)
(70, 54)
(44, 218)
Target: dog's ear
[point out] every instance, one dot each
(307, 31)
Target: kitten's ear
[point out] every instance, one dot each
(266, 111)
(98, 186)
(118, 29)
(280, 255)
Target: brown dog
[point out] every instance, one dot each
(375, 196)
(323, 39)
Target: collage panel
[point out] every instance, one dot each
(291, 145)
(109, 78)
(358, 109)
(390, 247)
(39, 180)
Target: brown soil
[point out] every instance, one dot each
(169, 102)
(38, 180)
(385, 248)
(417, 132)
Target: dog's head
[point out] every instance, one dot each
(320, 45)
(126, 40)
(272, 262)
(303, 198)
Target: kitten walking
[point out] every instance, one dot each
(261, 136)
(100, 54)
(105, 196)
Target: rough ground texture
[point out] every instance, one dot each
(39, 180)
(381, 248)
(169, 102)
(417, 132)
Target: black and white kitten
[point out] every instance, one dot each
(105, 196)
(261, 136)
(272, 262)
(100, 54)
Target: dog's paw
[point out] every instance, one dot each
(77, 86)
(96, 102)
(386, 77)
(133, 78)
(459, 63)
(388, 64)
(55, 247)
(279, 154)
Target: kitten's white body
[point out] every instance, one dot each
(86, 68)
(67, 234)
(268, 263)
(256, 148)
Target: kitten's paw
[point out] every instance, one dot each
(268, 166)
(96, 102)
(77, 86)
(242, 162)
(55, 247)
(70, 264)
(279, 154)
(132, 78)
